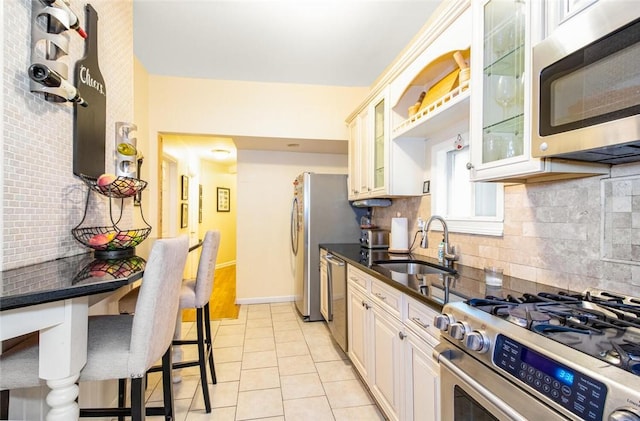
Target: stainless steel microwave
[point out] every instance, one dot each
(586, 86)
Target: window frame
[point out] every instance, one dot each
(440, 181)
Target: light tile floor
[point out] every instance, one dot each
(271, 366)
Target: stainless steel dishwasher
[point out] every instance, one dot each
(337, 299)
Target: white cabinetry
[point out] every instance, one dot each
(359, 156)
(503, 34)
(392, 356)
(368, 155)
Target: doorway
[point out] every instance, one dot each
(191, 181)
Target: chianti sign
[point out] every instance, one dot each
(90, 122)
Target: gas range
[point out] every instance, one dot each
(577, 353)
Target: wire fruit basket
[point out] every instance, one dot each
(112, 241)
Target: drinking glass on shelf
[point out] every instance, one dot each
(505, 94)
(492, 145)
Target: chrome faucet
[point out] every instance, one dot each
(449, 252)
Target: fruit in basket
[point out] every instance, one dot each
(129, 186)
(124, 237)
(105, 180)
(101, 240)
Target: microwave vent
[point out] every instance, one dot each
(617, 154)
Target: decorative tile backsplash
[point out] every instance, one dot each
(621, 220)
(573, 233)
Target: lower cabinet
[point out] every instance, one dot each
(392, 356)
(422, 392)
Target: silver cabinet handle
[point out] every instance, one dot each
(365, 305)
(419, 322)
(380, 296)
(401, 335)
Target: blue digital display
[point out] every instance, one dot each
(547, 366)
(564, 376)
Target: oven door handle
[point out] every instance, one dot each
(499, 403)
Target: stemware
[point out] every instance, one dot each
(505, 94)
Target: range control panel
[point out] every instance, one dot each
(582, 395)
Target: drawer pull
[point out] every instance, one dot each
(365, 305)
(380, 296)
(417, 321)
(401, 335)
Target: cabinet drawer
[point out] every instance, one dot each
(387, 297)
(420, 319)
(357, 278)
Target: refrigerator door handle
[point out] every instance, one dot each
(294, 226)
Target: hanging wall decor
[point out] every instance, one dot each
(90, 122)
(223, 199)
(50, 39)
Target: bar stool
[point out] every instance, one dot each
(195, 293)
(123, 346)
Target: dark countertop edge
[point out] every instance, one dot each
(49, 296)
(512, 284)
(402, 288)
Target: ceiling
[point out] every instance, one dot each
(317, 42)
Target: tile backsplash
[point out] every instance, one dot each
(42, 199)
(572, 234)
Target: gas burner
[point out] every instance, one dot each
(530, 318)
(599, 323)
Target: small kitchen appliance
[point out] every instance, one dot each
(374, 238)
(543, 356)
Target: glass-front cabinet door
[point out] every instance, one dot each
(379, 133)
(500, 97)
(503, 79)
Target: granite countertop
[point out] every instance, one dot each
(435, 290)
(71, 277)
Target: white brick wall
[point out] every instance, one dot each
(43, 200)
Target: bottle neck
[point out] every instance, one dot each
(91, 26)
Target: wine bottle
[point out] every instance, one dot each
(48, 77)
(74, 22)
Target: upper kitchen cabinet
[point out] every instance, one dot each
(387, 145)
(368, 142)
(503, 34)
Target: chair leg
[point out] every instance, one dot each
(209, 342)
(202, 359)
(4, 405)
(138, 412)
(167, 384)
(122, 393)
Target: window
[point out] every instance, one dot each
(474, 208)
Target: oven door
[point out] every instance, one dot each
(471, 391)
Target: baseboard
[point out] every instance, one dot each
(265, 300)
(225, 264)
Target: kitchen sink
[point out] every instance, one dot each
(413, 267)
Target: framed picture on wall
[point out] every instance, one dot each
(184, 216)
(185, 187)
(223, 199)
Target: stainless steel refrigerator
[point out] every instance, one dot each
(320, 213)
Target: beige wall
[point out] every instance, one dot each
(233, 108)
(265, 194)
(212, 176)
